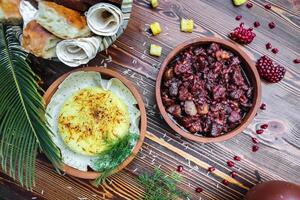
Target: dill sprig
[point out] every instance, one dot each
(160, 186)
(113, 156)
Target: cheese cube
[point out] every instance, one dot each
(155, 28)
(154, 3)
(187, 25)
(155, 50)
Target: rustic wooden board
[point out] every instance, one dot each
(129, 55)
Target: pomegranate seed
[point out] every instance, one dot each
(268, 45)
(264, 126)
(238, 17)
(233, 174)
(275, 50)
(268, 6)
(255, 148)
(256, 24)
(249, 5)
(230, 163)
(297, 61)
(237, 158)
(225, 182)
(259, 131)
(179, 168)
(255, 140)
(272, 25)
(198, 190)
(263, 106)
(211, 169)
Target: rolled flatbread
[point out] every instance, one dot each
(104, 19)
(75, 52)
(28, 12)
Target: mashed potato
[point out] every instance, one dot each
(91, 119)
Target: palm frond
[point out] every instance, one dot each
(23, 128)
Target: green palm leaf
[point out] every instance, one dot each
(23, 130)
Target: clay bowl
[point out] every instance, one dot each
(105, 73)
(251, 74)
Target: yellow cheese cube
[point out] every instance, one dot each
(155, 50)
(154, 3)
(239, 2)
(155, 28)
(187, 25)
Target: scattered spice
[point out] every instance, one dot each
(259, 131)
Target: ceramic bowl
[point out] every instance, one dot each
(105, 73)
(250, 72)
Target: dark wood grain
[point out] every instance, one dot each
(130, 57)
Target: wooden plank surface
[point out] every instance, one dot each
(276, 159)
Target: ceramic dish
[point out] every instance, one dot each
(107, 74)
(249, 70)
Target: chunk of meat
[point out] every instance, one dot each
(190, 108)
(175, 110)
(234, 117)
(219, 92)
(173, 89)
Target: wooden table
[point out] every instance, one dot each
(274, 160)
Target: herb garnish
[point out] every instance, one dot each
(160, 186)
(113, 156)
